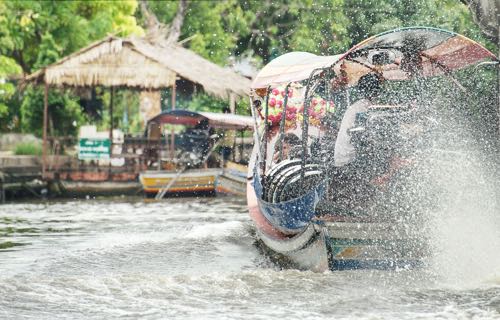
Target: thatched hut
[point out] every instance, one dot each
(137, 64)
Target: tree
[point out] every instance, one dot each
(8, 67)
(294, 25)
(368, 17)
(211, 28)
(34, 34)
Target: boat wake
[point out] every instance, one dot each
(215, 230)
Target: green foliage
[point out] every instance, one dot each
(28, 148)
(204, 102)
(368, 18)
(37, 32)
(125, 102)
(270, 28)
(65, 115)
(321, 28)
(294, 25)
(213, 27)
(34, 34)
(8, 67)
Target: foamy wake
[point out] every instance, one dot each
(215, 230)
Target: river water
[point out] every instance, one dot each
(197, 259)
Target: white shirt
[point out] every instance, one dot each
(344, 150)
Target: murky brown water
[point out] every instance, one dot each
(196, 259)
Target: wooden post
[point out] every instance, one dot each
(111, 116)
(232, 103)
(111, 98)
(174, 88)
(172, 133)
(2, 189)
(45, 116)
(242, 144)
(159, 148)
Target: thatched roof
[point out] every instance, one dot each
(135, 63)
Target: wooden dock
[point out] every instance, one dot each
(21, 175)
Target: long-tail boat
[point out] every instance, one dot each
(314, 211)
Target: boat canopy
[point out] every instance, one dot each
(432, 51)
(291, 67)
(436, 51)
(215, 120)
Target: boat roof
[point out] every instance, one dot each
(291, 67)
(441, 51)
(226, 121)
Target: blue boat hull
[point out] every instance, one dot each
(293, 216)
(333, 243)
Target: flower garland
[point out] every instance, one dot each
(295, 108)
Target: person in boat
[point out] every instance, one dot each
(323, 148)
(196, 141)
(292, 148)
(350, 186)
(369, 86)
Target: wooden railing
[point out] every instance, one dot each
(127, 159)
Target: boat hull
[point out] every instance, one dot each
(372, 245)
(232, 180)
(79, 188)
(306, 251)
(191, 181)
(332, 242)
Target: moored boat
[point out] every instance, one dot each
(183, 153)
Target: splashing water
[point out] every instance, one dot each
(461, 218)
(465, 231)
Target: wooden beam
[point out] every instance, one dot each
(45, 116)
(112, 95)
(174, 89)
(111, 102)
(172, 133)
(160, 148)
(232, 103)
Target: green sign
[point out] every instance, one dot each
(93, 149)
